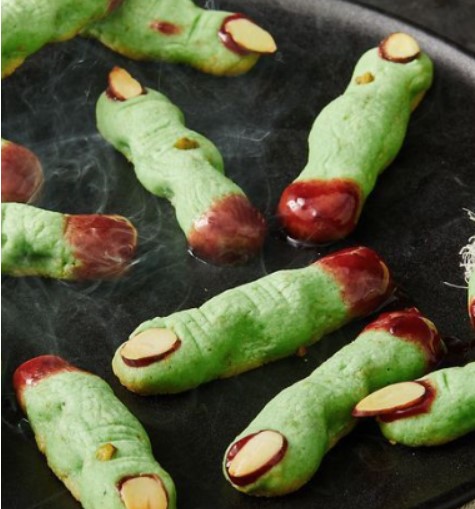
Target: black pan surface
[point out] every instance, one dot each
(260, 121)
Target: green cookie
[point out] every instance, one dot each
(180, 32)
(91, 441)
(352, 141)
(252, 324)
(178, 164)
(284, 445)
(37, 242)
(446, 412)
(27, 25)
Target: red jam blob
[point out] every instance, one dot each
(363, 276)
(320, 211)
(103, 244)
(227, 38)
(411, 325)
(165, 27)
(22, 175)
(421, 407)
(33, 371)
(231, 232)
(253, 476)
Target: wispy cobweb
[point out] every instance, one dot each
(468, 252)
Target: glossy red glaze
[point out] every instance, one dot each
(411, 325)
(22, 175)
(363, 276)
(103, 244)
(164, 27)
(146, 361)
(231, 232)
(33, 371)
(253, 476)
(320, 211)
(471, 312)
(152, 476)
(421, 407)
(227, 38)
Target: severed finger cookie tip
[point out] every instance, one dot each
(251, 457)
(122, 86)
(22, 173)
(144, 491)
(364, 278)
(231, 232)
(149, 346)
(320, 211)
(104, 245)
(241, 35)
(399, 47)
(390, 399)
(34, 370)
(411, 325)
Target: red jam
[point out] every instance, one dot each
(22, 175)
(231, 232)
(103, 244)
(227, 38)
(364, 278)
(253, 476)
(411, 325)
(33, 371)
(421, 407)
(165, 27)
(320, 211)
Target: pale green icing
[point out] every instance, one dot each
(72, 415)
(315, 413)
(145, 129)
(33, 242)
(28, 25)
(451, 415)
(358, 134)
(128, 31)
(241, 329)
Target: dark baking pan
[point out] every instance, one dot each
(260, 121)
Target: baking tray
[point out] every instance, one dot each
(260, 121)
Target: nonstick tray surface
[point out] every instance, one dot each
(260, 121)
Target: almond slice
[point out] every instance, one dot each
(144, 492)
(122, 86)
(390, 399)
(250, 36)
(400, 48)
(149, 346)
(254, 455)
